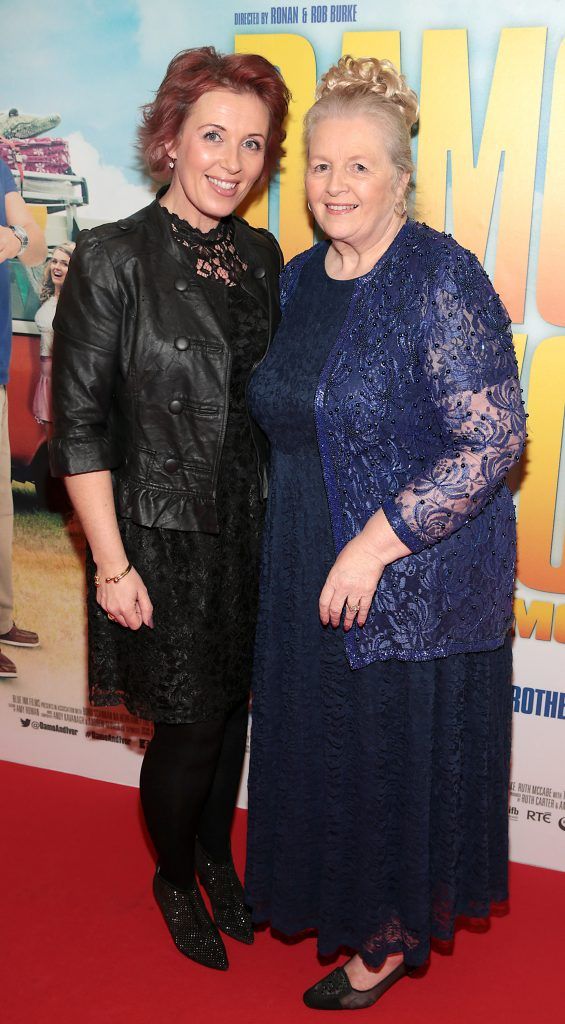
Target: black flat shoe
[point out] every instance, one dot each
(192, 930)
(334, 992)
(226, 896)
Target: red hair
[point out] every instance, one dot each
(191, 74)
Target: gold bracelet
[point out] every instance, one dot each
(113, 579)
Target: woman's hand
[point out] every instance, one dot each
(357, 570)
(126, 601)
(352, 582)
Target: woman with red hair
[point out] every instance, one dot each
(162, 318)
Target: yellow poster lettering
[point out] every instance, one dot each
(511, 127)
(295, 58)
(551, 264)
(538, 493)
(559, 624)
(537, 618)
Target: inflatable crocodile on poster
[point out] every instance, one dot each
(14, 125)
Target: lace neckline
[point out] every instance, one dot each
(186, 229)
(212, 254)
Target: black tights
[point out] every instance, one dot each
(188, 788)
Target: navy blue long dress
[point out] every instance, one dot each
(377, 796)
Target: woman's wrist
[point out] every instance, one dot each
(109, 567)
(98, 580)
(381, 540)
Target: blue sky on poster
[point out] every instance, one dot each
(97, 61)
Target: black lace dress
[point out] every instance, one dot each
(196, 663)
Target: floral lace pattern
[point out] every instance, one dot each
(211, 253)
(470, 370)
(419, 412)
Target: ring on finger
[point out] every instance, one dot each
(111, 617)
(352, 608)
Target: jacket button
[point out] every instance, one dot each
(123, 225)
(181, 284)
(171, 466)
(181, 344)
(259, 272)
(175, 406)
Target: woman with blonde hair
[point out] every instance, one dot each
(382, 696)
(53, 278)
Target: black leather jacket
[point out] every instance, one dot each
(141, 368)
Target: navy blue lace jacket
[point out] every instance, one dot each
(419, 412)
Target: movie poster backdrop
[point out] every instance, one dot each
(490, 155)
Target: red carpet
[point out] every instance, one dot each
(83, 941)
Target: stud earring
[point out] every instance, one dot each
(171, 164)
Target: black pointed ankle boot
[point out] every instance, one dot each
(226, 896)
(192, 930)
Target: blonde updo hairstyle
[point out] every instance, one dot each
(375, 88)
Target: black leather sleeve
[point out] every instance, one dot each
(87, 327)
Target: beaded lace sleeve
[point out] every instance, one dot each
(467, 357)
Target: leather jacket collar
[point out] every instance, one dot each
(251, 247)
